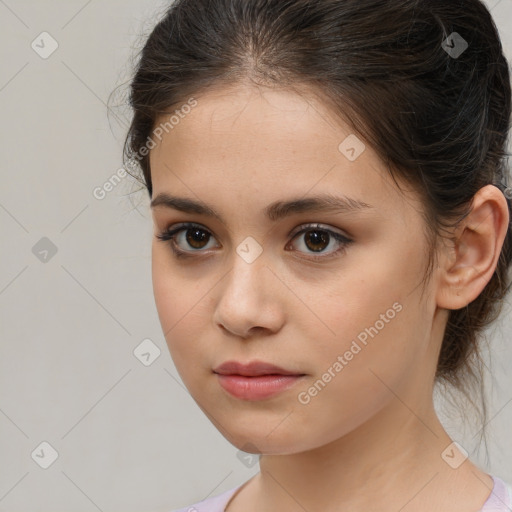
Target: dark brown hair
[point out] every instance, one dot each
(437, 112)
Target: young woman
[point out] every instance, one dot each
(328, 185)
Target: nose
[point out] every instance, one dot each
(247, 300)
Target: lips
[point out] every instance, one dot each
(256, 380)
(252, 369)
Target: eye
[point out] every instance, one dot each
(197, 237)
(317, 238)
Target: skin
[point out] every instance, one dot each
(371, 439)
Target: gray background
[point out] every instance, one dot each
(128, 436)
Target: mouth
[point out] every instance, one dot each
(255, 381)
(253, 369)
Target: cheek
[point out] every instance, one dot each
(165, 289)
(376, 356)
(379, 337)
(375, 317)
(171, 300)
(181, 305)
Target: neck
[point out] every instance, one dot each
(375, 467)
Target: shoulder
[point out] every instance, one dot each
(500, 499)
(212, 504)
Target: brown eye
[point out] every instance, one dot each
(317, 239)
(196, 237)
(188, 238)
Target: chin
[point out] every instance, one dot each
(260, 444)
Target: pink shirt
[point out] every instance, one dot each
(500, 500)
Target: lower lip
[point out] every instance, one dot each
(256, 388)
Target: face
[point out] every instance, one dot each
(332, 294)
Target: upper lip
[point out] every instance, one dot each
(252, 369)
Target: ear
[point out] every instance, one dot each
(469, 264)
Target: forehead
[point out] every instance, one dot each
(270, 119)
(250, 123)
(273, 143)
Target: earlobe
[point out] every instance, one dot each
(471, 261)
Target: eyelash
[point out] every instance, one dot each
(169, 235)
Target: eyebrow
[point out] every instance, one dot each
(275, 211)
